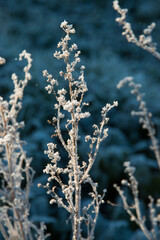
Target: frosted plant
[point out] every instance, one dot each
(143, 114)
(134, 209)
(144, 40)
(15, 170)
(65, 183)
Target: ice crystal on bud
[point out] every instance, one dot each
(64, 24)
(2, 60)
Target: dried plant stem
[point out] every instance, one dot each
(17, 215)
(143, 114)
(69, 106)
(155, 147)
(16, 172)
(138, 218)
(3, 232)
(144, 41)
(76, 227)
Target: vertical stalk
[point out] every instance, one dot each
(76, 222)
(140, 219)
(76, 217)
(8, 155)
(74, 157)
(16, 213)
(4, 234)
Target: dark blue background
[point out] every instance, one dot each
(34, 25)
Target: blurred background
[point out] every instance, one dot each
(34, 25)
